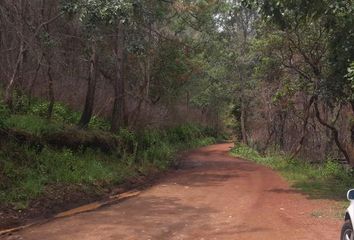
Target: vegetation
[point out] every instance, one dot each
(96, 91)
(329, 180)
(303, 59)
(28, 171)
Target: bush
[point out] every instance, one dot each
(61, 113)
(329, 180)
(4, 115)
(26, 179)
(99, 123)
(184, 133)
(26, 171)
(20, 102)
(159, 156)
(33, 124)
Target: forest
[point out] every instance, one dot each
(97, 92)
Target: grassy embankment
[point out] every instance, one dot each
(319, 181)
(38, 155)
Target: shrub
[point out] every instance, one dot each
(60, 113)
(33, 124)
(20, 102)
(25, 178)
(99, 123)
(328, 180)
(26, 171)
(4, 115)
(184, 133)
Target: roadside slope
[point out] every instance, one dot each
(212, 196)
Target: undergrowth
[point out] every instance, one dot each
(329, 180)
(33, 124)
(26, 171)
(29, 169)
(33, 117)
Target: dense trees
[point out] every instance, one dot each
(122, 59)
(279, 73)
(310, 46)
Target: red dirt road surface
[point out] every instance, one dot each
(212, 196)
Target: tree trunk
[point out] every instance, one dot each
(187, 100)
(33, 82)
(10, 86)
(279, 128)
(243, 123)
(118, 112)
(145, 87)
(91, 89)
(307, 111)
(50, 91)
(335, 134)
(352, 125)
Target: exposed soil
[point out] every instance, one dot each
(60, 198)
(212, 196)
(55, 199)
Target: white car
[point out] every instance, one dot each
(347, 229)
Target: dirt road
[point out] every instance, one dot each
(212, 196)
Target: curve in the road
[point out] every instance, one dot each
(212, 196)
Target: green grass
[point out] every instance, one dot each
(327, 181)
(33, 124)
(33, 117)
(26, 172)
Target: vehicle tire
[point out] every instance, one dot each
(347, 231)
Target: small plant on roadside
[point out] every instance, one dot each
(27, 172)
(328, 180)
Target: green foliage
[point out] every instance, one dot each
(329, 180)
(184, 133)
(61, 112)
(26, 172)
(350, 77)
(68, 167)
(171, 71)
(334, 21)
(33, 124)
(99, 123)
(158, 145)
(4, 114)
(98, 12)
(350, 74)
(341, 47)
(159, 155)
(33, 117)
(26, 178)
(127, 136)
